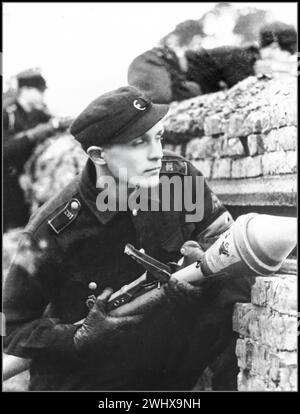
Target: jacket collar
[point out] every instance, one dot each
(89, 193)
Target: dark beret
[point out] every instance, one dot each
(116, 117)
(31, 78)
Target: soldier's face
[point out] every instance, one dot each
(33, 97)
(137, 162)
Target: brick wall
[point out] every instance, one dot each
(267, 347)
(244, 142)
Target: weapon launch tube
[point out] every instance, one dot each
(255, 243)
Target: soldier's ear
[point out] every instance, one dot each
(96, 155)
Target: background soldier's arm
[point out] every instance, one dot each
(17, 148)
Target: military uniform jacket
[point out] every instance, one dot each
(67, 245)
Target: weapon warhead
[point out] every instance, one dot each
(275, 237)
(258, 243)
(264, 241)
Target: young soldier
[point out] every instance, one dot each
(72, 257)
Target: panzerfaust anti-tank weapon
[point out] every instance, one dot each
(255, 244)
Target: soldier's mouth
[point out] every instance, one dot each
(153, 170)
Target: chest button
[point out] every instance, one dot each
(74, 205)
(93, 285)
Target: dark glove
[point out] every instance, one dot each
(182, 292)
(191, 252)
(100, 329)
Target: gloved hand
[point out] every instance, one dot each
(182, 292)
(191, 252)
(100, 329)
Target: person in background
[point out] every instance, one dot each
(26, 123)
(168, 73)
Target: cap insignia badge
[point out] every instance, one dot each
(140, 104)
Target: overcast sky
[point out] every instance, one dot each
(84, 49)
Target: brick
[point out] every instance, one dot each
(255, 144)
(283, 113)
(278, 293)
(195, 148)
(286, 379)
(205, 166)
(268, 327)
(281, 139)
(247, 167)
(262, 367)
(279, 162)
(278, 117)
(177, 119)
(244, 351)
(179, 124)
(271, 328)
(241, 317)
(231, 147)
(234, 125)
(203, 148)
(262, 361)
(248, 383)
(255, 122)
(292, 115)
(213, 125)
(259, 291)
(221, 168)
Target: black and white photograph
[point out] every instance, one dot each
(149, 199)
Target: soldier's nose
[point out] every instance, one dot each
(155, 151)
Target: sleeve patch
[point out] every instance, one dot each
(174, 167)
(65, 216)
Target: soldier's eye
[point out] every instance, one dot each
(137, 142)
